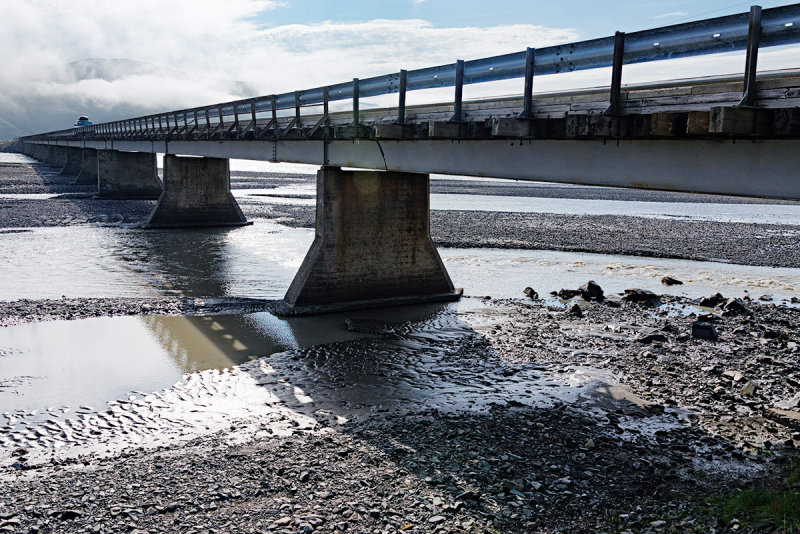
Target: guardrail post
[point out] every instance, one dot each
(401, 106)
(355, 100)
(616, 73)
(297, 109)
(457, 114)
(527, 111)
(274, 104)
(751, 63)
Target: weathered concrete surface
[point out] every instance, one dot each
(372, 245)
(57, 156)
(88, 173)
(127, 175)
(72, 167)
(197, 192)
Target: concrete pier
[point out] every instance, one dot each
(88, 174)
(39, 152)
(197, 192)
(127, 175)
(372, 246)
(57, 156)
(74, 159)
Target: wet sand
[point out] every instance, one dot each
(504, 415)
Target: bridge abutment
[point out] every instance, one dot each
(197, 192)
(127, 175)
(372, 246)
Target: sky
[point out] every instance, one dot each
(118, 59)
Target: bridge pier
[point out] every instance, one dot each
(372, 246)
(57, 156)
(197, 192)
(127, 175)
(74, 158)
(88, 173)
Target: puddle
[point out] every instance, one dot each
(88, 362)
(413, 366)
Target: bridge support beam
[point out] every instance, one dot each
(74, 159)
(372, 246)
(88, 173)
(127, 175)
(197, 192)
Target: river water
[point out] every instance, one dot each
(62, 370)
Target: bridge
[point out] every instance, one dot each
(737, 135)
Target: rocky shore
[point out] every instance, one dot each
(676, 422)
(577, 411)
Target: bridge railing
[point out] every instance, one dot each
(744, 31)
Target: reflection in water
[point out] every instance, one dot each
(91, 361)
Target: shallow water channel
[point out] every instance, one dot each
(47, 366)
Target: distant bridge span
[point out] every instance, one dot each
(730, 135)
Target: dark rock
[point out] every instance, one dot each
(712, 301)
(649, 335)
(640, 295)
(69, 515)
(670, 281)
(530, 293)
(702, 330)
(591, 290)
(568, 293)
(575, 311)
(735, 307)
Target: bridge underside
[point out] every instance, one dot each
(748, 167)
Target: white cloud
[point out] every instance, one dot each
(190, 50)
(670, 15)
(182, 53)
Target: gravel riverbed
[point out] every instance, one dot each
(573, 413)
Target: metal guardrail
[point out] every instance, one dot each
(744, 31)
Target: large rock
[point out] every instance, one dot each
(640, 295)
(591, 290)
(703, 330)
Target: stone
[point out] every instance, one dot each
(568, 293)
(530, 293)
(574, 311)
(670, 281)
(640, 295)
(589, 444)
(712, 301)
(735, 307)
(649, 335)
(749, 388)
(703, 330)
(591, 290)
